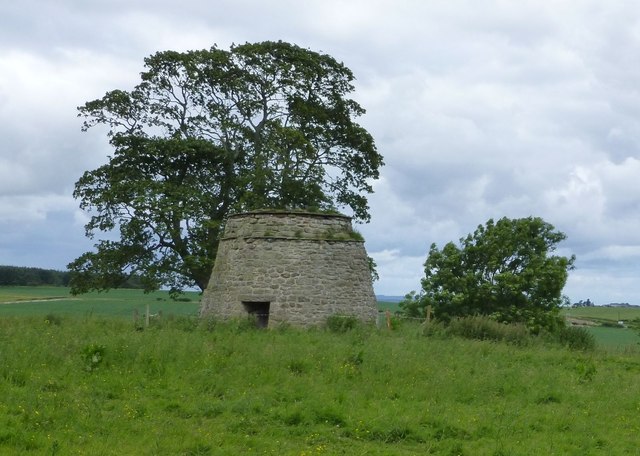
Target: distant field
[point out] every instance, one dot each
(10, 294)
(604, 314)
(122, 302)
(609, 337)
(40, 301)
(615, 338)
(24, 301)
(390, 306)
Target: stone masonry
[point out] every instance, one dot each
(293, 267)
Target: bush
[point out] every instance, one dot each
(573, 338)
(92, 356)
(611, 324)
(341, 323)
(390, 321)
(524, 285)
(484, 328)
(207, 323)
(434, 328)
(53, 319)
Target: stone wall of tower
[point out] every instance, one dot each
(307, 266)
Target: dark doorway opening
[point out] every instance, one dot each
(259, 311)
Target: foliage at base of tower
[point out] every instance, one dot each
(504, 270)
(208, 133)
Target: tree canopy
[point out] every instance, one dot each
(211, 132)
(505, 270)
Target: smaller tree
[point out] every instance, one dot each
(504, 270)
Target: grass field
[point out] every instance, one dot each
(74, 380)
(390, 306)
(36, 300)
(99, 386)
(23, 301)
(616, 339)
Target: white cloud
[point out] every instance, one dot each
(398, 273)
(43, 149)
(603, 287)
(614, 253)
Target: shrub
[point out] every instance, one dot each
(93, 355)
(574, 338)
(434, 328)
(298, 367)
(586, 370)
(396, 322)
(524, 286)
(390, 321)
(484, 328)
(53, 319)
(611, 324)
(341, 323)
(207, 323)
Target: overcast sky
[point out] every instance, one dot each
(481, 110)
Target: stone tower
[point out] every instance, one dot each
(294, 267)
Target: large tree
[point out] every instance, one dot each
(210, 132)
(505, 270)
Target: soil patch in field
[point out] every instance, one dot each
(581, 322)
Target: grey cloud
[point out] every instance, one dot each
(502, 110)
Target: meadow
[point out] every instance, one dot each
(25, 301)
(88, 383)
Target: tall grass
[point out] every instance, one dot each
(196, 387)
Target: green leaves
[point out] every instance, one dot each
(504, 269)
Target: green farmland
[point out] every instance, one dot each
(602, 314)
(77, 381)
(602, 322)
(125, 303)
(24, 301)
(99, 385)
